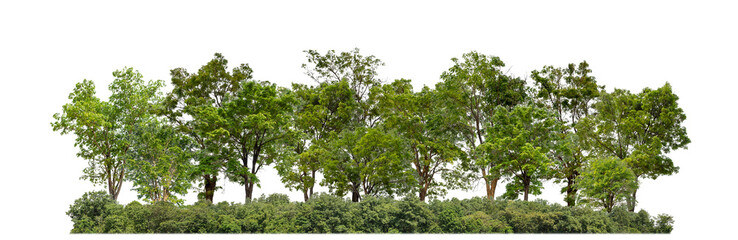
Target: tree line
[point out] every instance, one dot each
(367, 137)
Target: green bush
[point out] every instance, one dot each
(95, 212)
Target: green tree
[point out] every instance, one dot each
(606, 182)
(518, 145)
(639, 129)
(321, 110)
(360, 72)
(193, 107)
(160, 165)
(420, 118)
(568, 93)
(258, 121)
(366, 161)
(103, 127)
(473, 88)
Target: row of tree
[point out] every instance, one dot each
(370, 138)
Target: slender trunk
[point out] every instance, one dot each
(305, 194)
(312, 186)
(632, 204)
(526, 188)
(210, 183)
(249, 183)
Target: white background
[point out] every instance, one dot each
(47, 47)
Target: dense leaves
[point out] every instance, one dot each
(373, 140)
(607, 182)
(473, 88)
(104, 128)
(96, 213)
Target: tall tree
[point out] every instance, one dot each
(607, 182)
(640, 129)
(359, 73)
(473, 89)
(160, 162)
(193, 107)
(367, 162)
(518, 145)
(103, 127)
(321, 110)
(257, 120)
(568, 93)
(420, 118)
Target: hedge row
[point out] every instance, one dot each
(95, 212)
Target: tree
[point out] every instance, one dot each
(359, 74)
(568, 93)
(639, 129)
(606, 182)
(103, 127)
(257, 119)
(473, 89)
(160, 165)
(518, 145)
(366, 161)
(321, 110)
(421, 120)
(193, 107)
(358, 71)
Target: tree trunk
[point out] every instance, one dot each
(571, 192)
(526, 188)
(491, 187)
(423, 193)
(305, 194)
(355, 195)
(312, 186)
(210, 183)
(632, 202)
(249, 187)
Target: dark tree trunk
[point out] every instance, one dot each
(249, 187)
(355, 195)
(571, 192)
(210, 183)
(423, 193)
(526, 188)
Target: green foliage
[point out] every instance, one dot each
(420, 119)
(330, 214)
(193, 106)
(358, 71)
(257, 120)
(375, 141)
(606, 182)
(103, 127)
(568, 94)
(639, 129)
(518, 145)
(321, 111)
(160, 166)
(367, 162)
(472, 89)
